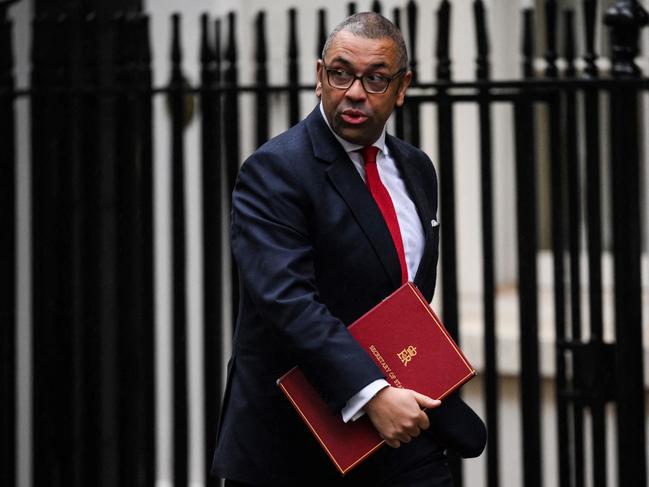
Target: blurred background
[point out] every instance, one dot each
(122, 127)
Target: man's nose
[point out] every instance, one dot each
(356, 90)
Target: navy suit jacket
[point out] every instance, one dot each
(314, 254)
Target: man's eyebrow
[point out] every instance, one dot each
(347, 63)
(340, 60)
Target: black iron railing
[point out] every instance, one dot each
(92, 137)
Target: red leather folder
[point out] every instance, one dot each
(409, 343)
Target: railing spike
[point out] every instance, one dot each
(217, 41)
(6, 48)
(292, 43)
(442, 50)
(231, 49)
(322, 31)
(176, 50)
(569, 42)
(528, 43)
(482, 40)
(293, 69)
(590, 56)
(206, 53)
(551, 38)
(260, 28)
(412, 38)
(147, 55)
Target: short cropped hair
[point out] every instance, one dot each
(371, 25)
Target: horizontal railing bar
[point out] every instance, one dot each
(453, 98)
(545, 84)
(471, 98)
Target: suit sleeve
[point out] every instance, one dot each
(273, 249)
(458, 427)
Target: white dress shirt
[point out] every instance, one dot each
(412, 235)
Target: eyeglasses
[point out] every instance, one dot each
(372, 83)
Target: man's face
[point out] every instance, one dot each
(354, 114)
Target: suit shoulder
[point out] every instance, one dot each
(407, 149)
(413, 155)
(290, 143)
(282, 156)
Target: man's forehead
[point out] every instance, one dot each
(345, 37)
(347, 47)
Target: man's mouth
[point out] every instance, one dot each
(353, 117)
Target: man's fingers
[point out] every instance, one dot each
(425, 401)
(393, 443)
(423, 421)
(397, 417)
(397, 439)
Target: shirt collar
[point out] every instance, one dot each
(349, 146)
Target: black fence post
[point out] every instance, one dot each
(91, 223)
(412, 110)
(445, 138)
(231, 135)
(322, 32)
(261, 77)
(147, 473)
(293, 70)
(134, 275)
(557, 194)
(625, 19)
(212, 246)
(527, 268)
(52, 351)
(398, 111)
(103, 221)
(447, 173)
(71, 230)
(591, 114)
(177, 105)
(7, 255)
(488, 255)
(572, 218)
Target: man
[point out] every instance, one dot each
(316, 248)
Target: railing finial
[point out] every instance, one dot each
(482, 40)
(4, 7)
(625, 19)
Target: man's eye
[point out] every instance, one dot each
(374, 78)
(340, 72)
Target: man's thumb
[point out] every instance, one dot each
(425, 401)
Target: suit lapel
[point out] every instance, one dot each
(349, 184)
(346, 180)
(414, 184)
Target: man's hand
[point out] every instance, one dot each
(397, 415)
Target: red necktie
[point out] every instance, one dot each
(384, 202)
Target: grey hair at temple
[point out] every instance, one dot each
(371, 25)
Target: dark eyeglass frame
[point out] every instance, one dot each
(389, 79)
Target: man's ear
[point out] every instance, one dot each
(404, 82)
(319, 71)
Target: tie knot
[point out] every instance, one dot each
(369, 154)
